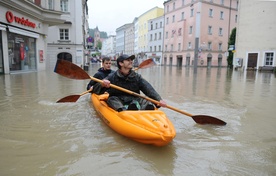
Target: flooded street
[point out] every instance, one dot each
(41, 137)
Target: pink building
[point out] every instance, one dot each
(203, 26)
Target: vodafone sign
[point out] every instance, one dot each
(20, 20)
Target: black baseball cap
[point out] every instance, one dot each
(124, 57)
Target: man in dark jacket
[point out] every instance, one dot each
(127, 78)
(103, 72)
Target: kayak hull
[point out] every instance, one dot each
(144, 126)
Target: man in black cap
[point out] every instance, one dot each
(127, 78)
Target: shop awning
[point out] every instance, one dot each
(23, 32)
(3, 27)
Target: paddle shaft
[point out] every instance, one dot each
(141, 96)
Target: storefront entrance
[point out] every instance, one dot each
(22, 52)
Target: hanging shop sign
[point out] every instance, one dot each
(20, 20)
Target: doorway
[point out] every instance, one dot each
(252, 60)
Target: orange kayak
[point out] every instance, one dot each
(144, 126)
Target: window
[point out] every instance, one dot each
(221, 15)
(220, 47)
(154, 48)
(150, 37)
(21, 52)
(168, 8)
(179, 46)
(151, 26)
(150, 48)
(189, 45)
(160, 37)
(167, 20)
(182, 15)
(236, 18)
(191, 30)
(171, 47)
(51, 4)
(179, 31)
(156, 25)
(183, 2)
(269, 59)
(222, 2)
(210, 30)
(192, 12)
(64, 34)
(209, 45)
(159, 47)
(64, 5)
(173, 19)
(160, 24)
(210, 12)
(173, 32)
(173, 5)
(166, 48)
(167, 35)
(220, 31)
(155, 36)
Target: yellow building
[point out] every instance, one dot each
(143, 29)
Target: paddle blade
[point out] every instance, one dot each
(70, 98)
(205, 119)
(147, 63)
(70, 70)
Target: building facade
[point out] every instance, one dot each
(109, 47)
(255, 37)
(198, 31)
(129, 39)
(155, 39)
(142, 24)
(23, 34)
(120, 39)
(68, 41)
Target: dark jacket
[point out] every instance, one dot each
(101, 74)
(133, 82)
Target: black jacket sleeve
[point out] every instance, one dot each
(148, 90)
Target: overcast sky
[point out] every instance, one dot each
(108, 15)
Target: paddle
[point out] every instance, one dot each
(146, 64)
(70, 70)
(73, 98)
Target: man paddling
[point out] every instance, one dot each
(127, 78)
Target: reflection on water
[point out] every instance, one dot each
(41, 137)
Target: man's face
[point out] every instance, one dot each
(127, 63)
(107, 65)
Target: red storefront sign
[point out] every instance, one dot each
(11, 18)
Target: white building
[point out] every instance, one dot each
(129, 39)
(155, 39)
(109, 46)
(23, 34)
(120, 39)
(255, 36)
(68, 40)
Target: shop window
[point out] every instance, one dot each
(22, 52)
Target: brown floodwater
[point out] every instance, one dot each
(41, 137)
